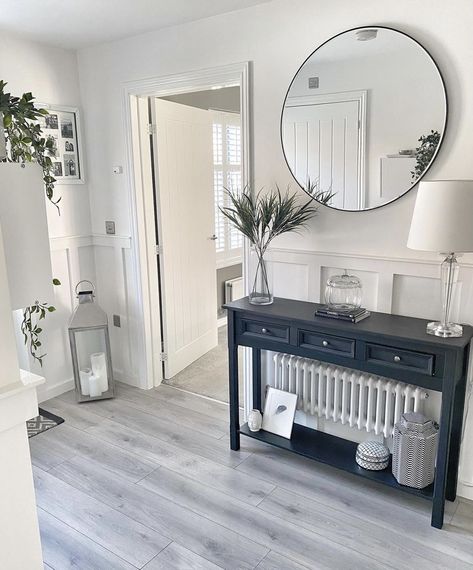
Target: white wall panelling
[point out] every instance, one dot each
(74, 258)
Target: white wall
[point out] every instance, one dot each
(51, 75)
(277, 37)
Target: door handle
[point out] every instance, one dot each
(213, 237)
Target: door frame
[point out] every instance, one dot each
(361, 97)
(140, 190)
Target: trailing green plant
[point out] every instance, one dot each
(25, 142)
(30, 326)
(24, 136)
(425, 152)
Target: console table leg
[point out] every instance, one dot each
(256, 369)
(441, 471)
(233, 383)
(455, 440)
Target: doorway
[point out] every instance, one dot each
(324, 141)
(188, 145)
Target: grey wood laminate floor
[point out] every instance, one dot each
(147, 480)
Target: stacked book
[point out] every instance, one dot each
(351, 315)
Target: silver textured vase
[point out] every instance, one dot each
(255, 420)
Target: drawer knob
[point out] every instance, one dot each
(325, 343)
(264, 331)
(397, 358)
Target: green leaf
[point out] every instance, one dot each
(56, 281)
(7, 121)
(51, 309)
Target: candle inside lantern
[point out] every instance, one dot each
(99, 369)
(85, 375)
(94, 386)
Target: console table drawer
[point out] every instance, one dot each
(326, 343)
(270, 331)
(400, 358)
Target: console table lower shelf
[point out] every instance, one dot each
(333, 451)
(388, 346)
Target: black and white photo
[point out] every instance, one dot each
(67, 130)
(279, 411)
(57, 169)
(51, 121)
(54, 149)
(70, 166)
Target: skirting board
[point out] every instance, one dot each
(46, 392)
(465, 491)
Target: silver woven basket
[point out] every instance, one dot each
(414, 450)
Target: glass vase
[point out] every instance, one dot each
(261, 292)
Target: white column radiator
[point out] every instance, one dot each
(234, 289)
(352, 397)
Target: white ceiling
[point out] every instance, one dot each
(80, 23)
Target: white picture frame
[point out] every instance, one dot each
(279, 412)
(64, 125)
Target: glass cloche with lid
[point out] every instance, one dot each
(343, 292)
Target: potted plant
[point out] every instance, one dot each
(425, 153)
(263, 216)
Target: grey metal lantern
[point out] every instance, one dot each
(90, 348)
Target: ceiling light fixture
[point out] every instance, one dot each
(366, 34)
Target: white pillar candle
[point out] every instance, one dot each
(85, 375)
(94, 386)
(99, 369)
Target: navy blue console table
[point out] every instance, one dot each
(388, 345)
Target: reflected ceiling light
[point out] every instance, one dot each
(366, 35)
(214, 87)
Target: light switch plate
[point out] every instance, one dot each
(110, 228)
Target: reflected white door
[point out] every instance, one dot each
(322, 142)
(185, 214)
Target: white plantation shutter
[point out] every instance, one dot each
(227, 174)
(220, 226)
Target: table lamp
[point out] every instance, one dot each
(443, 222)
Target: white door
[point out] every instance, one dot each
(185, 215)
(321, 142)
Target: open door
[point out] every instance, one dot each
(322, 143)
(185, 218)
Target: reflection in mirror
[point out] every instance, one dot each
(364, 118)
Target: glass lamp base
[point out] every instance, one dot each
(444, 330)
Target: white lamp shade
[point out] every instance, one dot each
(443, 217)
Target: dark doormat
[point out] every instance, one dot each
(43, 422)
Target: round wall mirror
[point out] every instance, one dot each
(363, 118)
